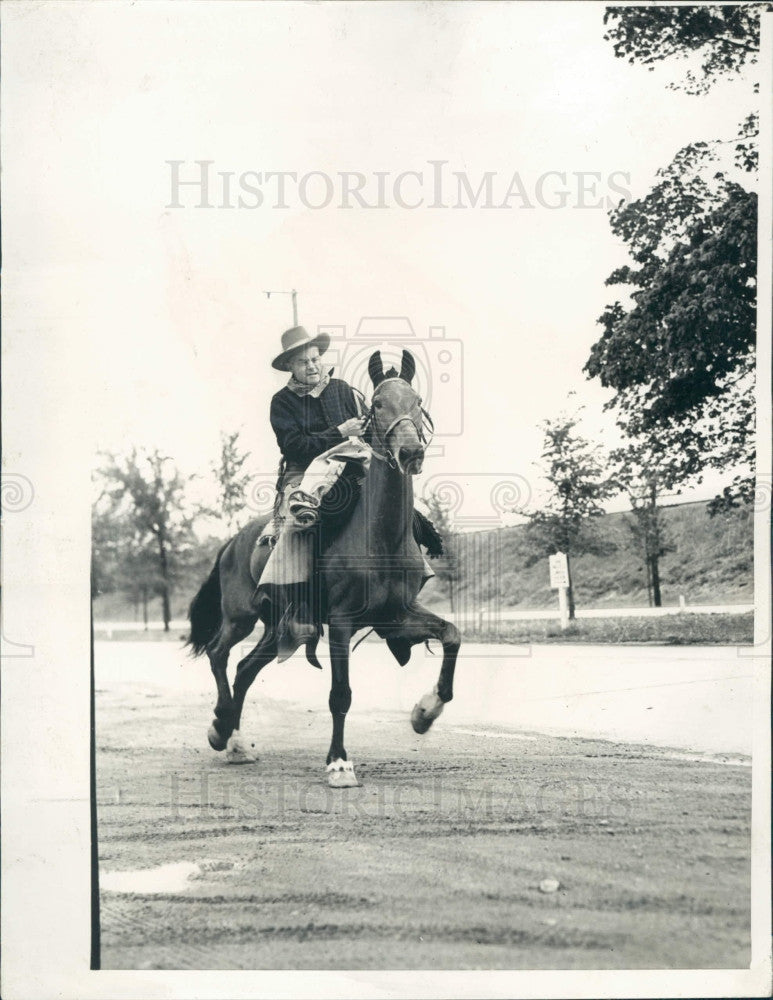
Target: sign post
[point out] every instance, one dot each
(559, 580)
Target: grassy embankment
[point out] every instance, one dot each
(711, 562)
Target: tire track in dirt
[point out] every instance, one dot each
(435, 862)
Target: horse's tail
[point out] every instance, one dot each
(205, 612)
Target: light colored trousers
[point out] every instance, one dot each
(291, 558)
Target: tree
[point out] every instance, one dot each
(645, 471)
(106, 547)
(680, 355)
(232, 480)
(121, 558)
(448, 568)
(145, 493)
(649, 535)
(681, 358)
(578, 485)
(724, 38)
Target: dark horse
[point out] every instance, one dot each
(369, 573)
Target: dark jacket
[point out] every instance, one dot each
(305, 426)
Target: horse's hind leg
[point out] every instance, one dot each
(241, 751)
(230, 633)
(418, 626)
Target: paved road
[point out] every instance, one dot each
(696, 698)
(437, 860)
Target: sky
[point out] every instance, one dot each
(154, 318)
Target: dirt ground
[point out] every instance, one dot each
(438, 861)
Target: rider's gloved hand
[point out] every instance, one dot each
(352, 427)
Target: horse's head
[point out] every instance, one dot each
(396, 416)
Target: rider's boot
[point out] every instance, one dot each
(297, 626)
(303, 504)
(303, 508)
(289, 615)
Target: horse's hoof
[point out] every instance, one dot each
(240, 750)
(340, 774)
(425, 712)
(216, 740)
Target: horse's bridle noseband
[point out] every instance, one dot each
(422, 422)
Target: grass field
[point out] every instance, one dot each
(669, 630)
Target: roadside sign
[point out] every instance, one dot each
(559, 580)
(559, 571)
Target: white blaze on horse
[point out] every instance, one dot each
(368, 574)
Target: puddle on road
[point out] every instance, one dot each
(165, 878)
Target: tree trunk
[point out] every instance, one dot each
(165, 606)
(570, 589)
(648, 573)
(655, 581)
(164, 582)
(655, 546)
(145, 607)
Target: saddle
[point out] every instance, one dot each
(337, 506)
(335, 509)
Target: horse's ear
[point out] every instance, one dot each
(408, 367)
(376, 368)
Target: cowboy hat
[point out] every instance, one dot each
(293, 340)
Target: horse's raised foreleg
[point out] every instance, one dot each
(241, 751)
(418, 626)
(230, 633)
(340, 769)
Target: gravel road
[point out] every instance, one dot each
(442, 859)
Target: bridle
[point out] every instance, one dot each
(421, 420)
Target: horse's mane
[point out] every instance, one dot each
(338, 505)
(339, 502)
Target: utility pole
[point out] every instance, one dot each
(294, 296)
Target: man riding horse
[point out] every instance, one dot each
(370, 569)
(318, 423)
